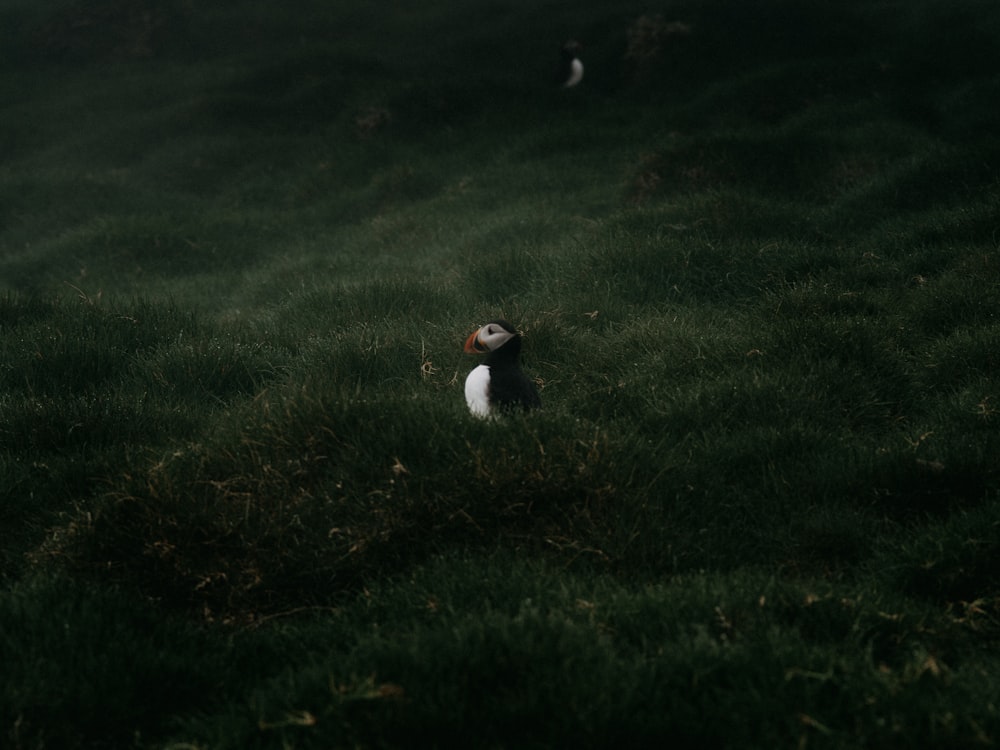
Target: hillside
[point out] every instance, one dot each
(754, 259)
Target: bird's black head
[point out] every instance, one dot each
(571, 49)
(492, 336)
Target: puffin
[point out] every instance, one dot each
(499, 384)
(571, 69)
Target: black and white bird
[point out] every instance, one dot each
(499, 384)
(571, 69)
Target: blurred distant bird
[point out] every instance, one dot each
(571, 69)
(499, 384)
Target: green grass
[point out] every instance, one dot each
(242, 502)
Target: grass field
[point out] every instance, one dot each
(755, 259)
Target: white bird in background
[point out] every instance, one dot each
(571, 71)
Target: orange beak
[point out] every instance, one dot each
(472, 345)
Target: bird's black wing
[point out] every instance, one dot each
(510, 388)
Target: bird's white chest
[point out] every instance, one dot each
(477, 391)
(575, 73)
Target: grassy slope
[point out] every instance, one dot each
(756, 268)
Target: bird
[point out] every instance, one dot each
(499, 384)
(571, 69)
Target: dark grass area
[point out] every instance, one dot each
(524, 653)
(754, 260)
